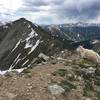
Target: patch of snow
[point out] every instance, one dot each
(35, 24)
(17, 70)
(5, 26)
(29, 26)
(50, 28)
(78, 35)
(3, 72)
(29, 65)
(33, 48)
(41, 41)
(60, 25)
(95, 41)
(31, 35)
(24, 57)
(16, 60)
(25, 62)
(57, 36)
(27, 39)
(17, 45)
(57, 28)
(17, 57)
(36, 34)
(28, 45)
(63, 39)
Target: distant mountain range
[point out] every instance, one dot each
(75, 32)
(22, 41)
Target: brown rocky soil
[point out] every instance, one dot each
(33, 83)
(30, 85)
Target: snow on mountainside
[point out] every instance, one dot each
(75, 31)
(21, 42)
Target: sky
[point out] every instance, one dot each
(51, 11)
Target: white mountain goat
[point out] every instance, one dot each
(88, 54)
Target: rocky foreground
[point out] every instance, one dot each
(63, 77)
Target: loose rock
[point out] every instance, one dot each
(56, 89)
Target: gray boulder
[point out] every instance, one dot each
(43, 56)
(56, 90)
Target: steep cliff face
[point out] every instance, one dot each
(21, 42)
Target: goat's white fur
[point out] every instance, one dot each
(88, 54)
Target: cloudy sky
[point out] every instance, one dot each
(51, 11)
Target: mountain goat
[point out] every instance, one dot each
(88, 54)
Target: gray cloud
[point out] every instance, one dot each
(32, 6)
(58, 11)
(71, 9)
(30, 3)
(80, 10)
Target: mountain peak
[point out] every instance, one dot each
(23, 19)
